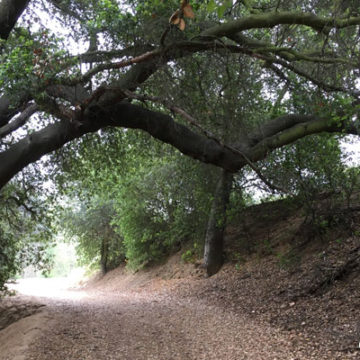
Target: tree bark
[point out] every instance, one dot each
(10, 11)
(214, 239)
(269, 20)
(104, 256)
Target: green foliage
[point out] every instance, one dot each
(310, 166)
(162, 206)
(30, 61)
(192, 254)
(64, 259)
(138, 199)
(239, 260)
(351, 183)
(315, 170)
(25, 229)
(89, 225)
(161, 199)
(221, 7)
(8, 264)
(266, 247)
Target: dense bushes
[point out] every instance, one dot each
(25, 230)
(89, 224)
(148, 205)
(162, 207)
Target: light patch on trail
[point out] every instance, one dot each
(54, 288)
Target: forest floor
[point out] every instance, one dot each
(274, 303)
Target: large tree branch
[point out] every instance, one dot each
(161, 127)
(205, 132)
(74, 94)
(9, 108)
(158, 56)
(280, 18)
(276, 126)
(34, 146)
(146, 57)
(309, 126)
(284, 58)
(105, 110)
(66, 10)
(101, 56)
(19, 121)
(10, 11)
(288, 53)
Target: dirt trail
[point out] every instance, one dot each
(144, 324)
(140, 317)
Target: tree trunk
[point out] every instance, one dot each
(10, 11)
(104, 256)
(213, 252)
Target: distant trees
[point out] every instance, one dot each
(25, 226)
(97, 243)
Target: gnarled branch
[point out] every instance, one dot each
(19, 121)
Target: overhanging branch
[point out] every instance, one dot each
(165, 129)
(19, 121)
(270, 20)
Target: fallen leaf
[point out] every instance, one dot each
(182, 25)
(188, 12)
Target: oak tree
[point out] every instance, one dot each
(282, 53)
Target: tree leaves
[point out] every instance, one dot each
(25, 227)
(219, 6)
(177, 18)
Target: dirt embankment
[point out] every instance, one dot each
(22, 320)
(13, 309)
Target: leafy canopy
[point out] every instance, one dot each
(235, 85)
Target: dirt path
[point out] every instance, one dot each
(146, 325)
(146, 322)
